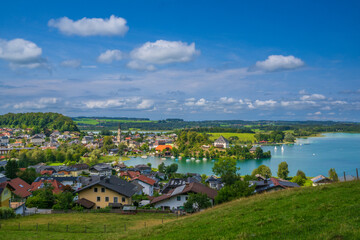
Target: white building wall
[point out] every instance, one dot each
(148, 189)
(172, 202)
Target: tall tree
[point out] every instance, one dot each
(333, 175)
(227, 170)
(283, 170)
(11, 169)
(263, 171)
(196, 202)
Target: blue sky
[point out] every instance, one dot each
(196, 60)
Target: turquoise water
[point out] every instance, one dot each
(314, 156)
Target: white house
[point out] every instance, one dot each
(147, 184)
(221, 142)
(176, 198)
(101, 169)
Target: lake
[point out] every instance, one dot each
(314, 156)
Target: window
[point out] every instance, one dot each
(97, 207)
(178, 198)
(186, 198)
(98, 199)
(106, 199)
(95, 189)
(123, 199)
(115, 199)
(102, 189)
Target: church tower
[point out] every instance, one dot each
(119, 135)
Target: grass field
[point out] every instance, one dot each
(324, 212)
(56, 164)
(76, 222)
(245, 137)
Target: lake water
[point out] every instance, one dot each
(314, 156)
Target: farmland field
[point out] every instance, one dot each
(244, 137)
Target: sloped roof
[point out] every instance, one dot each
(319, 178)
(188, 188)
(21, 187)
(85, 203)
(145, 179)
(115, 184)
(221, 139)
(58, 187)
(162, 147)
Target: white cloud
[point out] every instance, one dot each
(21, 53)
(279, 62)
(192, 102)
(161, 52)
(140, 66)
(109, 56)
(73, 63)
(37, 104)
(132, 103)
(313, 97)
(91, 26)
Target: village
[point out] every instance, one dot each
(85, 185)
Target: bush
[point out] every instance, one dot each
(6, 212)
(101, 210)
(78, 208)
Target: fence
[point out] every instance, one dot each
(348, 175)
(91, 228)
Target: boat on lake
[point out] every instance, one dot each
(192, 159)
(144, 156)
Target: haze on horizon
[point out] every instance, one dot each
(202, 60)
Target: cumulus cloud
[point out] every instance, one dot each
(21, 53)
(91, 26)
(140, 66)
(132, 103)
(161, 52)
(279, 62)
(109, 56)
(313, 97)
(73, 63)
(36, 104)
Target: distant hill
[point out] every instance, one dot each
(52, 121)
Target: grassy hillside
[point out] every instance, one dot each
(326, 212)
(245, 137)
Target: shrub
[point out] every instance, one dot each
(6, 212)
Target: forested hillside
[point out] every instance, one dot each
(52, 121)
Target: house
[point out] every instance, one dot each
(107, 190)
(101, 169)
(18, 207)
(3, 178)
(129, 175)
(143, 168)
(272, 184)
(57, 186)
(320, 180)
(147, 184)
(77, 169)
(172, 184)
(20, 188)
(87, 139)
(221, 142)
(164, 148)
(5, 194)
(73, 182)
(4, 140)
(214, 182)
(176, 198)
(37, 140)
(252, 149)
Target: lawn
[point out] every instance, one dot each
(243, 137)
(72, 225)
(86, 121)
(56, 164)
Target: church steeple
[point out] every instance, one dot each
(119, 134)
